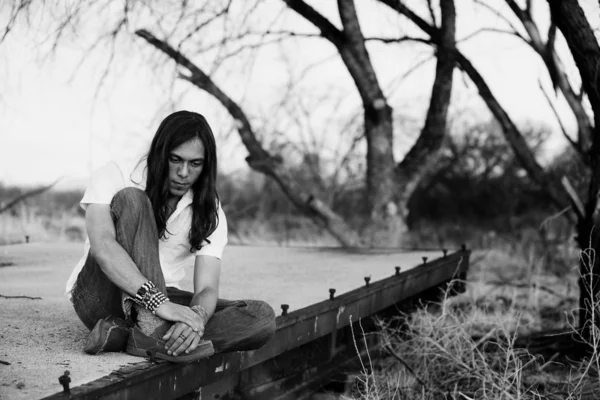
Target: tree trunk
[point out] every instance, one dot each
(571, 20)
(259, 159)
(423, 156)
(379, 130)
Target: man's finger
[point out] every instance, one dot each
(175, 335)
(184, 345)
(175, 345)
(169, 332)
(186, 333)
(194, 344)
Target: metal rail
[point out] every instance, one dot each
(309, 344)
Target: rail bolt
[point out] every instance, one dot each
(367, 280)
(64, 380)
(424, 260)
(397, 271)
(284, 309)
(331, 293)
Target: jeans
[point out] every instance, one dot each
(236, 325)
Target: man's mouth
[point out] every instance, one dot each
(179, 184)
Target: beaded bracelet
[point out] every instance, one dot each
(150, 297)
(156, 300)
(143, 292)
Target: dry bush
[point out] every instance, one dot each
(467, 346)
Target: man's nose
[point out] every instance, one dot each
(183, 170)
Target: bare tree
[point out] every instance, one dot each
(568, 17)
(387, 181)
(572, 22)
(511, 132)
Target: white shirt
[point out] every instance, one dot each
(174, 250)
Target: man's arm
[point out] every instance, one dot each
(207, 272)
(114, 261)
(118, 266)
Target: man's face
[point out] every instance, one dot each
(185, 166)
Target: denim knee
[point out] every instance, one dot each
(132, 199)
(266, 315)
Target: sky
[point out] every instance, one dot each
(55, 122)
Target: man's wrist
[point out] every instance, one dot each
(149, 297)
(201, 311)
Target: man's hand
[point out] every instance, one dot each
(181, 338)
(177, 313)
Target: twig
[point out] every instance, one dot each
(488, 30)
(575, 145)
(525, 286)
(485, 338)
(4, 362)
(501, 16)
(575, 200)
(397, 357)
(20, 297)
(552, 217)
(541, 368)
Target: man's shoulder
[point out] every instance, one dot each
(130, 171)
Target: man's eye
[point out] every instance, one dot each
(197, 164)
(174, 159)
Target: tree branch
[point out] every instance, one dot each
(556, 71)
(511, 133)
(28, 194)
(501, 16)
(431, 12)
(328, 30)
(259, 159)
(562, 127)
(494, 30)
(398, 40)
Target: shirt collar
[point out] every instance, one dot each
(183, 202)
(186, 199)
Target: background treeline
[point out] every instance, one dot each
(477, 191)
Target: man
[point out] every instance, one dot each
(145, 223)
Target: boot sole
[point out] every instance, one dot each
(183, 358)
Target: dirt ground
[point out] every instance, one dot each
(41, 337)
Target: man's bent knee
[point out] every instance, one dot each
(266, 326)
(131, 199)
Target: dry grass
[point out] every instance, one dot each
(445, 351)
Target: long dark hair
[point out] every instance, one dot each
(174, 130)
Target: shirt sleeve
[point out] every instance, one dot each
(215, 243)
(105, 182)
